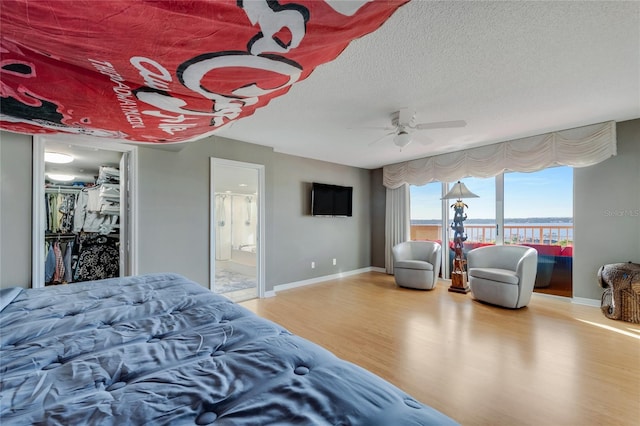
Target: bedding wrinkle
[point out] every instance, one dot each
(159, 349)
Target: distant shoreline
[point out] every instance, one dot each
(537, 221)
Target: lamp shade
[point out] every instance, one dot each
(458, 192)
(402, 139)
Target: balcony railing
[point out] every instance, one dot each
(547, 234)
(554, 244)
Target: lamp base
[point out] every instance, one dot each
(459, 282)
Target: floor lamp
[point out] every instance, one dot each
(458, 274)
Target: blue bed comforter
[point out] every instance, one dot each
(159, 349)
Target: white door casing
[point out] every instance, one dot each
(129, 209)
(220, 163)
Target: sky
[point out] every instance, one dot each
(546, 193)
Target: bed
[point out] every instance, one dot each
(161, 349)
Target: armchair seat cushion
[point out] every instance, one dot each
(495, 274)
(414, 264)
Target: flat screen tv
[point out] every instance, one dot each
(331, 200)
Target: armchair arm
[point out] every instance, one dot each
(526, 270)
(528, 265)
(435, 257)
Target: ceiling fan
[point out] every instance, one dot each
(403, 124)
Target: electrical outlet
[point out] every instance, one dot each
(334, 261)
(313, 265)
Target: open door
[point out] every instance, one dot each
(125, 213)
(237, 217)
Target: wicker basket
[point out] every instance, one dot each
(621, 297)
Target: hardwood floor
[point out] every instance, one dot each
(551, 363)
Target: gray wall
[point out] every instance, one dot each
(174, 213)
(378, 208)
(173, 204)
(300, 238)
(15, 209)
(607, 212)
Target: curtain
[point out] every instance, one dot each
(397, 222)
(579, 147)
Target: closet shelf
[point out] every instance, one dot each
(63, 189)
(59, 235)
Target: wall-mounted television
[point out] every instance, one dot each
(331, 200)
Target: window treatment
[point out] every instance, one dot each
(397, 222)
(579, 147)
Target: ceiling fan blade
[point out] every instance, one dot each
(372, 128)
(422, 140)
(380, 138)
(441, 124)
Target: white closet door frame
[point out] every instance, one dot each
(38, 216)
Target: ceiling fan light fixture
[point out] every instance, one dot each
(402, 139)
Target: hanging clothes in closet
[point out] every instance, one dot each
(60, 211)
(98, 258)
(82, 232)
(58, 262)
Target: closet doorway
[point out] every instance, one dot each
(237, 231)
(84, 209)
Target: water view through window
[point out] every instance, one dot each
(538, 212)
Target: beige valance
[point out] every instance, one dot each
(579, 147)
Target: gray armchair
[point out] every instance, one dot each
(416, 264)
(503, 275)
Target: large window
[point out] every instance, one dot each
(538, 212)
(532, 209)
(426, 212)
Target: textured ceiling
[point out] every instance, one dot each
(510, 69)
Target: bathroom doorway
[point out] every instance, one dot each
(236, 229)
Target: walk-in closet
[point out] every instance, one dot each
(82, 214)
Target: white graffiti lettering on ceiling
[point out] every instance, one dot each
(123, 93)
(271, 19)
(346, 8)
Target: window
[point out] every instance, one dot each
(538, 212)
(426, 212)
(537, 209)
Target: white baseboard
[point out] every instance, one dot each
(585, 301)
(288, 286)
(576, 300)
(551, 296)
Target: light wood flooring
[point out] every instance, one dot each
(551, 363)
